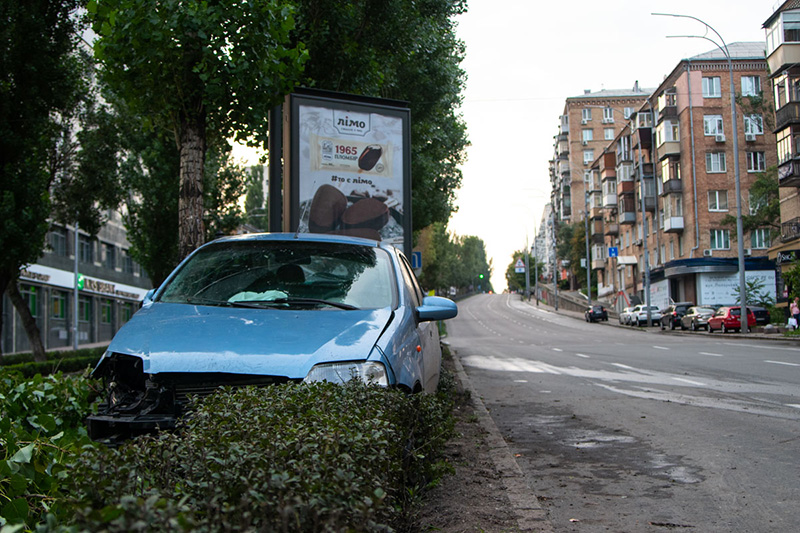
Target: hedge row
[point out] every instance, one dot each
(57, 361)
(317, 457)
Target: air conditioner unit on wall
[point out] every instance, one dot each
(584, 121)
(750, 137)
(720, 138)
(637, 242)
(585, 142)
(748, 252)
(707, 253)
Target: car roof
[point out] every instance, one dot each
(302, 237)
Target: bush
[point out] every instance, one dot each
(63, 361)
(41, 427)
(316, 457)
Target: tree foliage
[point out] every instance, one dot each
(42, 87)
(765, 208)
(203, 71)
(516, 280)
(452, 261)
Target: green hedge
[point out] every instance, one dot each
(316, 457)
(63, 361)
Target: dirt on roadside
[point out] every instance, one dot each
(472, 499)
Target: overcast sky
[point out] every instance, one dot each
(524, 58)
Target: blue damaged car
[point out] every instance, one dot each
(264, 309)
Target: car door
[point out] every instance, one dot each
(428, 331)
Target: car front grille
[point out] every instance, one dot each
(203, 384)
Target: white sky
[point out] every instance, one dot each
(525, 57)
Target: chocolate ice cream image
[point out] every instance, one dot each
(369, 157)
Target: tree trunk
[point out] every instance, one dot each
(3, 284)
(28, 322)
(191, 233)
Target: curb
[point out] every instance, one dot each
(530, 515)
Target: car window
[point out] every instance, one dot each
(262, 271)
(410, 280)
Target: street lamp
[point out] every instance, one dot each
(735, 129)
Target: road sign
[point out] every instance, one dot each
(519, 267)
(613, 251)
(416, 260)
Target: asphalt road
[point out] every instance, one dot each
(633, 429)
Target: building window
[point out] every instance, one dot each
(608, 134)
(717, 200)
(753, 124)
(587, 135)
(588, 157)
(712, 87)
(58, 241)
(670, 169)
(84, 308)
(784, 144)
(712, 125)
(720, 239)
(30, 294)
(715, 162)
(58, 305)
(109, 256)
(759, 238)
(586, 114)
(671, 250)
(105, 311)
(756, 162)
(627, 112)
(126, 311)
(680, 245)
(667, 131)
(85, 249)
(751, 85)
(608, 115)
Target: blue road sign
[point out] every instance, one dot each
(613, 251)
(416, 260)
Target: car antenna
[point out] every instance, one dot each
(305, 210)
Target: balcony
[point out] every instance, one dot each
(673, 225)
(598, 264)
(790, 230)
(643, 138)
(595, 212)
(627, 210)
(668, 148)
(671, 186)
(649, 204)
(625, 187)
(647, 171)
(611, 228)
(789, 173)
(627, 217)
(788, 114)
(669, 111)
(610, 200)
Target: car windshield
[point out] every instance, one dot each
(736, 312)
(280, 274)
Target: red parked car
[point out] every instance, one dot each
(727, 319)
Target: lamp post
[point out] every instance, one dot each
(588, 265)
(735, 131)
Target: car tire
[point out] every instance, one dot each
(709, 328)
(683, 328)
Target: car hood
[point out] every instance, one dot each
(188, 338)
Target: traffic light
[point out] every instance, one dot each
(480, 276)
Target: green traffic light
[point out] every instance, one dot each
(480, 276)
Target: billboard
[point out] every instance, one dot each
(348, 170)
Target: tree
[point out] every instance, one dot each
(43, 84)
(203, 71)
(404, 51)
(516, 280)
(255, 208)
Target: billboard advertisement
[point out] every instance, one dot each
(348, 171)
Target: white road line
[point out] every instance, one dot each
(782, 363)
(712, 354)
(620, 365)
(583, 355)
(557, 350)
(782, 348)
(660, 347)
(796, 406)
(690, 382)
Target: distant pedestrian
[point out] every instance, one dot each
(794, 310)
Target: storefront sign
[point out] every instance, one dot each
(721, 289)
(787, 256)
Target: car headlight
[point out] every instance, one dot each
(369, 372)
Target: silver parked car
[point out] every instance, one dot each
(639, 315)
(625, 315)
(696, 317)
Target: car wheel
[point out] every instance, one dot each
(683, 328)
(709, 328)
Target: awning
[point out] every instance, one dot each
(624, 260)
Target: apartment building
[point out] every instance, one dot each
(589, 122)
(111, 288)
(660, 190)
(783, 57)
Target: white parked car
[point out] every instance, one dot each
(639, 315)
(625, 315)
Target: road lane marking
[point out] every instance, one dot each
(782, 363)
(690, 382)
(796, 406)
(557, 350)
(660, 347)
(583, 355)
(784, 348)
(712, 354)
(620, 365)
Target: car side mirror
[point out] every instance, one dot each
(436, 308)
(148, 298)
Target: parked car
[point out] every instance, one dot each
(261, 309)
(595, 313)
(696, 317)
(761, 313)
(671, 316)
(639, 315)
(625, 315)
(727, 319)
